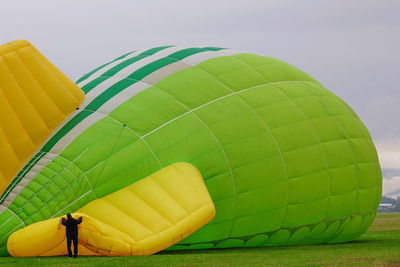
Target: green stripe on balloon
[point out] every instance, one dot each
(119, 87)
(105, 76)
(87, 75)
(102, 99)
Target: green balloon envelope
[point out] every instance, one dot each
(285, 160)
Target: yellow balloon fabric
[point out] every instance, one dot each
(286, 162)
(141, 219)
(35, 98)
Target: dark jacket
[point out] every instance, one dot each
(71, 226)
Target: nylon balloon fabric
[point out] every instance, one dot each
(284, 160)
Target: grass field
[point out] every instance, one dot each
(380, 246)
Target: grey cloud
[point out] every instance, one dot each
(350, 46)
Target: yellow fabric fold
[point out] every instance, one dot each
(141, 219)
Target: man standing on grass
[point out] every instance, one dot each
(71, 229)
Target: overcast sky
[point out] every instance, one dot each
(350, 46)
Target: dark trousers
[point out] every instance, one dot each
(73, 239)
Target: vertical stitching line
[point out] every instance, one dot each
(339, 124)
(73, 202)
(23, 93)
(50, 180)
(10, 189)
(40, 85)
(43, 61)
(216, 141)
(134, 132)
(112, 151)
(141, 137)
(23, 126)
(16, 216)
(268, 130)
(319, 140)
(9, 143)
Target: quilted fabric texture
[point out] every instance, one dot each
(35, 98)
(284, 160)
(140, 219)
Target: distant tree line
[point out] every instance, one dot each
(389, 204)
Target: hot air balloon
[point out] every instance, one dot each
(178, 148)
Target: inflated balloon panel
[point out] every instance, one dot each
(35, 98)
(285, 160)
(141, 219)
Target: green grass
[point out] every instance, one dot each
(380, 246)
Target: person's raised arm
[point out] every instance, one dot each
(63, 221)
(80, 220)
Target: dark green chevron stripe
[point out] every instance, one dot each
(101, 100)
(87, 75)
(92, 84)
